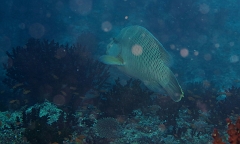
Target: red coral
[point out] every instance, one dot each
(216, 137)
(233, 131)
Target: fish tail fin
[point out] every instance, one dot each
(173, 89)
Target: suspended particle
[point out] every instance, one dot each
(184, 52)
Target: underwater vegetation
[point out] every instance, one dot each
(58, 73)
(123, 99)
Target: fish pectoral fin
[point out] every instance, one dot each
(173, 88)
(111, 60)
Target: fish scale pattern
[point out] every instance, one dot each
(146, 59)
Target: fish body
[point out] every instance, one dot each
(142, 56)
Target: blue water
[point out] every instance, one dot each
(54, 89)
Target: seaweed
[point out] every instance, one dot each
(45, 69)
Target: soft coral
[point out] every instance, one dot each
(233, 131)
(216, 137)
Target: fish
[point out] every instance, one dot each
(17, 85)
(138, 54)
(26, 91)
(55, 77)
(14, 101)
(72, 88)
(90, 94)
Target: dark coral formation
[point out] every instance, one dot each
(230, 105)
(38, 129)
(200, 106)
(44, 70)
(123, 99)
(202, 99)
(108, 128)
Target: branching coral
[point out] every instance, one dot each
(123, 99)
(216, 137)
(45, 70)
(231, 103)
(108, 128)
(233, 131)
(46, 123)
(202, 97)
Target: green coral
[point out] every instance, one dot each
(47, 109)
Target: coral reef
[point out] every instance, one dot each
(230, 104)
(41, 123)
(233, 131)
(46, 110)
(45, 123)
(10, 120)
(123, 99)
(216, 137)
(13, 136)
(59, 73)
(108, 128)
(203, 99)
(142, 129)
(77, 102)
(192, 129)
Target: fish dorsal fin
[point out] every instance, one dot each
(111, 60)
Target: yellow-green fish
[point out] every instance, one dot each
(136, 52)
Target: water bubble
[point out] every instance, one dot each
(137, 50)
(82, 7)
(59, 100)
(60, 53)
(36, 30)
(202, 39)
(22, 25)
(204, 8)
(217, 45)
(231, 43)
(234, 58)
(5, 43)
(196, 53)
(59, 6)
(172, 46)
(48, 15)
(184, 52)
(106, 26)
(207, 57)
